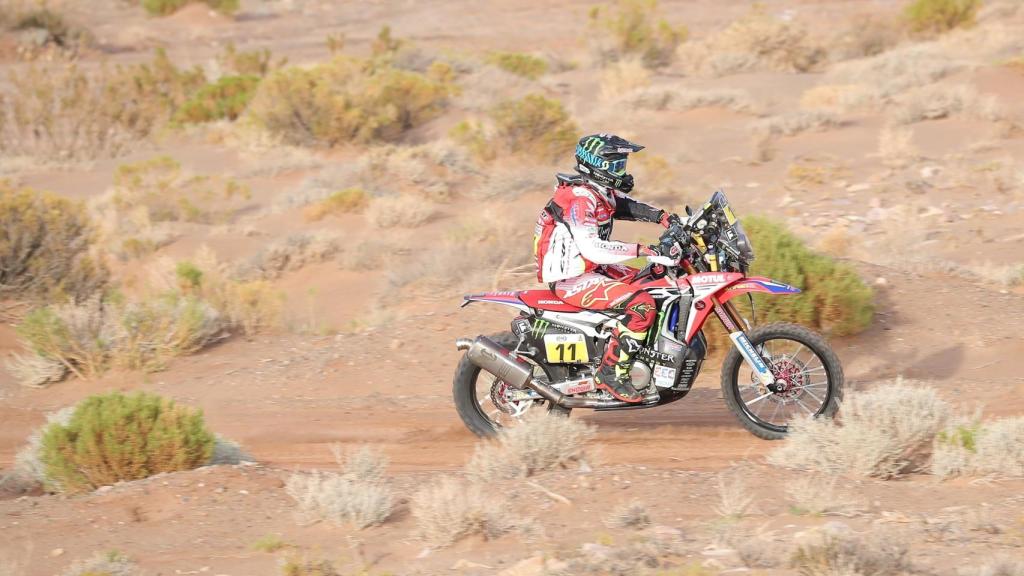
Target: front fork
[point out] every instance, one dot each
(734, 323)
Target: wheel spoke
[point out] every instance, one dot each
(818, 400)
(809, 411)
(759, 398)
(775, 412)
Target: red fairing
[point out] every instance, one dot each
(546, 300)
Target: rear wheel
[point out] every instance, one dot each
(812, 380)
(480, 397)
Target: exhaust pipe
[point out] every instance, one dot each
(499, 361)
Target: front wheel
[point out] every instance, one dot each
(480, 396)
(811, 374)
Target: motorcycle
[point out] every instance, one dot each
(771, 374)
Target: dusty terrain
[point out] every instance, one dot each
(362, 360)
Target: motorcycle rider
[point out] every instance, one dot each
(583, 266)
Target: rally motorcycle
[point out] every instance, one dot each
(772, 374)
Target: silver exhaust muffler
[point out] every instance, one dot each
(499, 361)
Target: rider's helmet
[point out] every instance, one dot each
(601, 158)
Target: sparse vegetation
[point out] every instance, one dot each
(534, 125)
(55, 33)
(539, 442)
(634, 28)
(306, 567)
(837, 551)
(758, 41)
(937, 16)
(975, 447)
(269, 543)
(448, 509)
(165, 7)
(885, 432)
(936, 102)
(114, 437)
(358, 496)
(290, 253)
(795, 123)
(520, 64)
(348, 100)
(46, 248)
(249, 62)
(111, 563)
(349, 200)
(631, 515)
(818, 495)
(656, 98)
(735, 498)
(60, 114)
(400, 210)
(835, 299)
(226, 99)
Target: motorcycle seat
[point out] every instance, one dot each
(546, 300)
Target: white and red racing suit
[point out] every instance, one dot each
(583, 266)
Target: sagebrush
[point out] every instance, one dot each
(449, 509)
(838, 551)
(941, 15)
(47, 248)
(114, 437)
(111, 563)
(538, 443)
(534, 125)
(885, 432)
(635, 28)
(359, 495)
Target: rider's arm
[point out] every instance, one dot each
(627, 208)
(582, 222)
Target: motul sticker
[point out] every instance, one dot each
(707, 278)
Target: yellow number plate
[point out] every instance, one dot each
(566, 348)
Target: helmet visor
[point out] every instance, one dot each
(617, 167)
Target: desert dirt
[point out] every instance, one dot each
(361, 361)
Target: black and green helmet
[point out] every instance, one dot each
(602, 158)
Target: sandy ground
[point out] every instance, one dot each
(922, 241)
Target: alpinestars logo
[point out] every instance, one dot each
(642, 309)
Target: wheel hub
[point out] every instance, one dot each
(789, 375)
(500, 392)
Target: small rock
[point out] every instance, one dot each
(533, 566)
(424, 553)
(858, 187)
(880, 281)
(463, 564)
(930, 171)
(596, 550)
(666, 533)
(243, 492)
(56, 552)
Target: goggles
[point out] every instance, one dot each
(617, 167)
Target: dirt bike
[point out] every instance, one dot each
(772, 373)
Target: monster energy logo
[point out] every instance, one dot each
(539, 327)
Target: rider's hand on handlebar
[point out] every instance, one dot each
(670, 220)
(662, 260)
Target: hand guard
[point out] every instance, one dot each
(670, 220)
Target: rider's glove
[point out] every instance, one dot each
(669, 220)
(663, 260)
(642, 250)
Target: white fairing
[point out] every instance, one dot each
(699, 293)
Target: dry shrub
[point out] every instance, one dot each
(995, 447)
(65, 113)
(347, 201)
(630, 515)
(883, 76)
(624, 77)
(365, 256)
(834, 550)
(44, 32)
(667, 98)
(307, 567)
(998, 567)
(633, 28)
(520, 64)
(734, 493)
(534, 125)
(638, 556)
(160, 190)
(248, 62)
(224, 99)
(936, 101)
(538, 443)
(114, 437)
(835, 299)
(449, 509)
(486, 250)
(106, 564)
(359, 495)
(35, 371)
(758, 41)
(937, 16)
(400, 210)
(46, 248)
(865, 35)
(251, 306)
(165, 7)
(795, 123)
(895, 146)
(293, 252)
(29, 472)
(838, 98)
(348, 100)
(817, 494)
(885, 432)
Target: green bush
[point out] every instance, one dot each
(348, 100)
(937, 16)
(525, 65)
(834, 298)
(225, 98)
(635, 29)
(349, 200)
(45, 244)
(114, 437)
(165, 7)
(166, 193)
(248, 62)
(534, 125)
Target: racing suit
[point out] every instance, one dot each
(582, 265)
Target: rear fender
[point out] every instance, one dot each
(505, 298)
(755, 284)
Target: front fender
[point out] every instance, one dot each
(505, 298)
(756, 284)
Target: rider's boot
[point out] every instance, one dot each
(613, 375)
